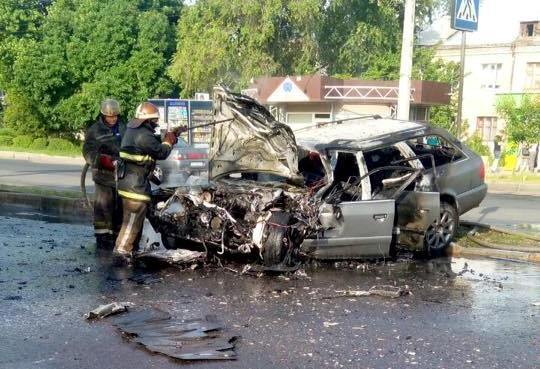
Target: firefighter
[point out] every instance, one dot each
(101, 150)
(139, 151)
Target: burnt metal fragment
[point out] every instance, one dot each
(194, 339)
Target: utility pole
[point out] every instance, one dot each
(461, 79)
(404, 97)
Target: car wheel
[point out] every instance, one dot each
(439, 235)
(275, 245)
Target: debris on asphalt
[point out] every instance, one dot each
(379, 290)
(172, 257)
(194, 339)
(107, 310)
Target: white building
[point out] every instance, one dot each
(502, 57)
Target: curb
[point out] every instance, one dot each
(524, 189)
(457, 250)
(42, 158)
(65, 207)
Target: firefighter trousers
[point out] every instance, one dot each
(132, 223)
(107, 212)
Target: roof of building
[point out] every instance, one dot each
(318, 88)
(498, 23)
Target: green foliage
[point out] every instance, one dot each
(232, 41)
(87, 50)
(476, 144)
(39, 143)
(61, 144)
(6, 140)
(7, 132)
(22, 141)
(522, 116)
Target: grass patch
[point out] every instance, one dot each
(73, 152)
(493, 237)
(40, 191)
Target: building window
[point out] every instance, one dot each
(490, 75)
(486, 127)
(533, 76)
(419, 114)
(529, 29)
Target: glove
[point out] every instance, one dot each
(106, 162)
(170, 138)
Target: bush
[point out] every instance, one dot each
(7, 132)
(61, 144)
(39, 143)
(22, 141)
(477, 145)
(6, 141)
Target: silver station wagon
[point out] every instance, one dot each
(349, 189)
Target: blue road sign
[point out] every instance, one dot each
(465, 15)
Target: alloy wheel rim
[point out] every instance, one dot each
(440, 233)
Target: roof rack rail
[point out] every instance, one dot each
(338, 121)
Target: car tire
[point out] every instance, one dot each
(275, 245)
(439, 236)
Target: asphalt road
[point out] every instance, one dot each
(29, 173)
(461, 314)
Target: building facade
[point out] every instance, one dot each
(310, 99)
(502, 57)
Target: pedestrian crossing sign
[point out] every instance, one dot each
(465, 15)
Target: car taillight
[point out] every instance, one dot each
(196, 155)
(482, 171)
(180, 157)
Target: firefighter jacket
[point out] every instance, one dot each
(139, 152)
(102, 139)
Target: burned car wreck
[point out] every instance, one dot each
(339, 190)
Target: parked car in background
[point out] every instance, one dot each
(355, 188)
(185, 161)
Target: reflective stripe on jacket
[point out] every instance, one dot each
(140, 149)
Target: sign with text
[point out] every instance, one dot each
(465, 15)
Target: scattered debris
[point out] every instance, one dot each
(13, 298)
(108, 309)
(172, 257)
(382, 290)
(195, 339)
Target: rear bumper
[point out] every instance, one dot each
(472, 198)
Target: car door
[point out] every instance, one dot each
(416, 212)
(356, 229)
(353, 229)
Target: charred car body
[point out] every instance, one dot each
(355, 188)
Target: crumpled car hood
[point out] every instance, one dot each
(252, 141)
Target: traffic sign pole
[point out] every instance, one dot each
(461, 80)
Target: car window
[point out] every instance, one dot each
(346, 171)
(443, 151)
(384, 157)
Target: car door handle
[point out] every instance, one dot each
(380, 217)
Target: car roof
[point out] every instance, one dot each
(358, 133)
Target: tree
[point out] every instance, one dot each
(232, 41)
(88, 50)
(522, 116)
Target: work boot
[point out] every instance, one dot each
(121, 259)
(105, 241)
